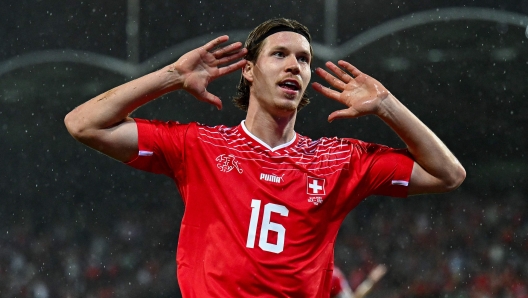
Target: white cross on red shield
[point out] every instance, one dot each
(315, 186)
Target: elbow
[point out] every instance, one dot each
(423, 182)
(456, 178)
(69, 122)
(73, 125)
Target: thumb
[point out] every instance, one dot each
(212, 99)
(340, 114)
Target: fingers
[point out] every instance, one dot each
(231, 67)
(346, 82)
(228, 50)
(326, 91)
(333, 81)
(350, 68)
(232, 57)
(226, 55)
(215, 42)
(341, 74)
(340, 77)
(335, 95)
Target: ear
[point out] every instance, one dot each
(247, 71)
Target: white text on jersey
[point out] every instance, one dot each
(271, 178)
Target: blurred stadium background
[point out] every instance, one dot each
(76, 224)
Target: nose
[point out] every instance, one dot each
(292, 65)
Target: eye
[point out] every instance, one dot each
(304, 59)
(278, 54)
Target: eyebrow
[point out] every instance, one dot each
(283, 48)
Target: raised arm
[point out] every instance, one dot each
(436, 169)
(103, 123)
(374, 276)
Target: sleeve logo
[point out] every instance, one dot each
(226, 163)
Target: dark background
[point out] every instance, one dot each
(74, 223)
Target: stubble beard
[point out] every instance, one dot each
(289, 104)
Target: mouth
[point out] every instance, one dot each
(290, 85)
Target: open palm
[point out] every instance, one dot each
(361, 93)
(202, 65)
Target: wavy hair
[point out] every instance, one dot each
(254, 44)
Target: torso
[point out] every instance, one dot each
(271, 209)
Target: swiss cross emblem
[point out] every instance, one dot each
(315, 186)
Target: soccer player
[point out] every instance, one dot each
(263, 204)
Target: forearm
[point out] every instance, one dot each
(112, 107)
(103, 122)
(427, 149)
(364, 288)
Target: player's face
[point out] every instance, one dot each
(281, 73)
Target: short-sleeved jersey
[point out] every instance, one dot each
(260, 221)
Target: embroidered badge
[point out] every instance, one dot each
(226, 163)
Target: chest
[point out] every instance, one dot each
(295, 180)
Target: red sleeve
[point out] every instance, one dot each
(161, 146)
(387, 171)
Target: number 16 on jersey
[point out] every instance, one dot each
(266, 226)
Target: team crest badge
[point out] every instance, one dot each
(226, 163)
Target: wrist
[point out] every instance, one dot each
(387, 106)
(171, 78)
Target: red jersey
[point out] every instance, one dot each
(261, 221)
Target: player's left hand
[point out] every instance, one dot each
(197, 68)
(361, 93)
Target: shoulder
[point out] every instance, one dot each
(220, 128)
(217, 130)
(328, 143)
(334, 145)
(357, 145)
(217, 134)
(176, 125)
(159, 124)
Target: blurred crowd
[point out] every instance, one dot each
(455, 245)
(131, 255)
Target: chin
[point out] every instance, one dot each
(288, 106)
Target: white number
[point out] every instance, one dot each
(266, 226)
(255, 210)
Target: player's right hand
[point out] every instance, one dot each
(197, 68)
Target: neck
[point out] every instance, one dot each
(272, 130)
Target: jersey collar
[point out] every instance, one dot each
(252, 136)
